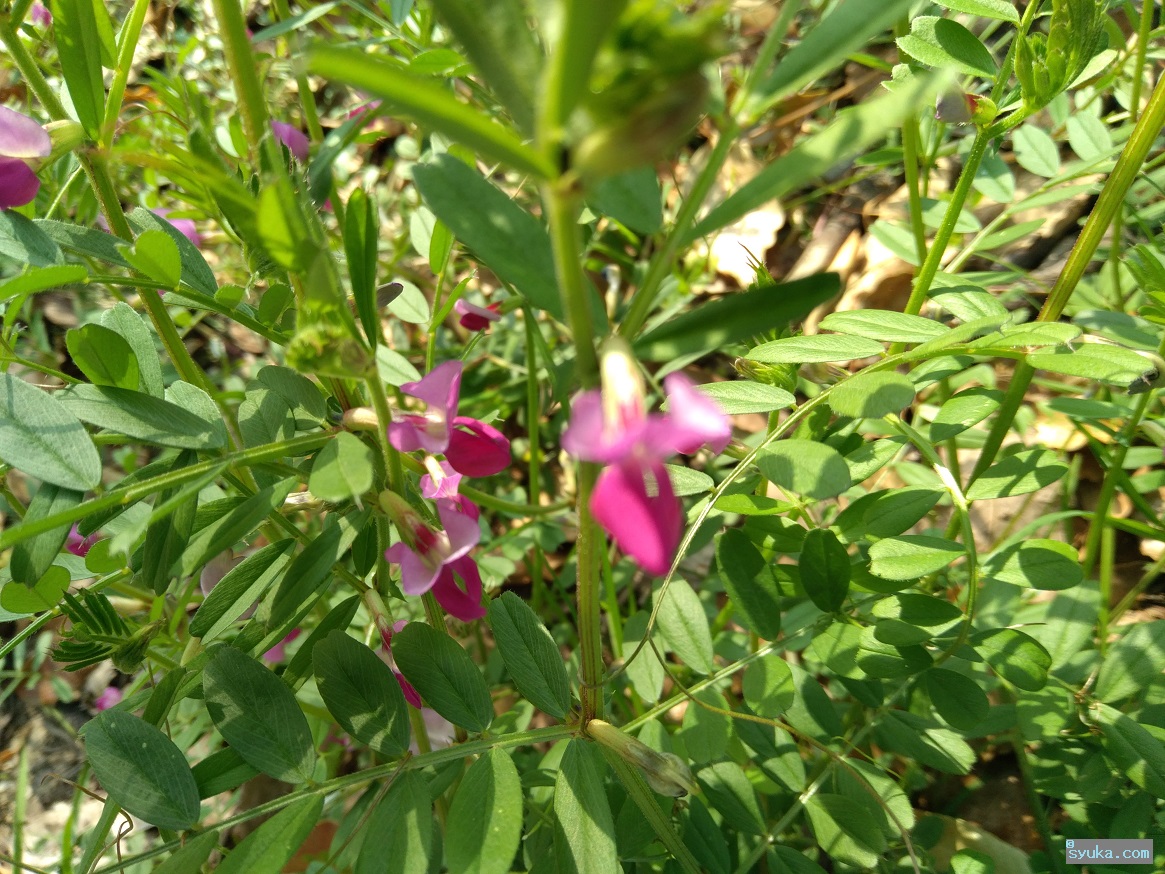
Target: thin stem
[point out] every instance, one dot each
(588, 551)
(131, 31)
(533, 424)
(946, 230)
(910, 152)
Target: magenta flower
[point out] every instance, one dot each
(277, 653)
(77, 544)
(410, 692)
(633, 499)
(40, 15)
(460, 603)
(423, 553)
(473, 317)
(292, 137)
(441, 483)
(110, 697)
(22, 142)
(185, 227)
(473, 448)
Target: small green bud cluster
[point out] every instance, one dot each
(1046, 65)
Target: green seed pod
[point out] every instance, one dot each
(667, 774)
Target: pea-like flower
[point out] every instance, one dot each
(475, 318)
(296, 140)
(633, 499)
(473, 448)
(23, 143)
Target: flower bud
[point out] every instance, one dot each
(128, 656)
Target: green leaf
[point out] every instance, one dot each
(1088, 136)
(510, 241)
(311, 570)
(852, 132)
(155, 256)
(403, 827)
(825, 569)
(361, 692)
(294, 22)
(737, 317)
(585, 833)
(231, 527)
(167, 536)
(142, 769)
(282, 228)
(1029, 334)
(728, 791)
(872, 456)
(645, 672)
(133, 330)
(846, 29)
(484, 826)
(103, 356)
(410, 305)
(946, 44)
(1036, 151)
(805, 467)
(361, 235)
(742, 396)
(258, 716)
(301, 394)
(904, 620)
(912, 556)
(1015, 656)
(41, 438)
(885, 513)
(431, 105)
(705, 839)
(79, 54)
(343, 469)
(885, 326)
(768, 686)
(1131, 747)
(45, 595)
(791, 861)
(749, 583)
(394, 368)
(270, 847)
(32, 558)
(815, 348)
(1000, 10)
(633, 198)
(42, 279)
(684, 626)
(194, 270)
(871, 395)
(1102, 362)
(191, 856)
(140, 416)
(444, 675)
(964, 410)
(924, 742)
(239, 589)
(1132, 663)
(1026, 471)
(706, 733)
(531, 656)
(957, 698)
(685, 481)
(1037, 564)
(845, 829)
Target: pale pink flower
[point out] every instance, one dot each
(22, 143)
(292, 137)
(110, 697)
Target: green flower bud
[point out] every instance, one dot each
(328, 350)
(779, 375)
(128, 656)
(667, 774)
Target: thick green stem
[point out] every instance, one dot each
(1127, 167)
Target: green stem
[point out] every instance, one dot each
(131, 31)
(588, 551)
(303, 86)
(946, 230)
(661, 263)
(910, 151)
(393, 470)
(533, 423)
(645, 800)
(1128, 165)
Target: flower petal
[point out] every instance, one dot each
(695, 418)
(462, 531)
(588, 437)
(635, 504)
(473, 317)
(461, 604)
(21, 137)
(446, 488)
(477, 449)
(416, 577)
(292, 137)
(185, 227)
(18, 184)
(411, 694)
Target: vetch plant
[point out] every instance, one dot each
(632, 569)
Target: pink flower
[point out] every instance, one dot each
(185, 227)
(40, 15)
(77, 544)
(292, 137)
(423, 553)
(460, 603)
(22, 141)
(473, 448)
(633, 499)
(473, 317)
(364, 108)
(441, 484)
(276, 654)
(110, 697)
(410, 692)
